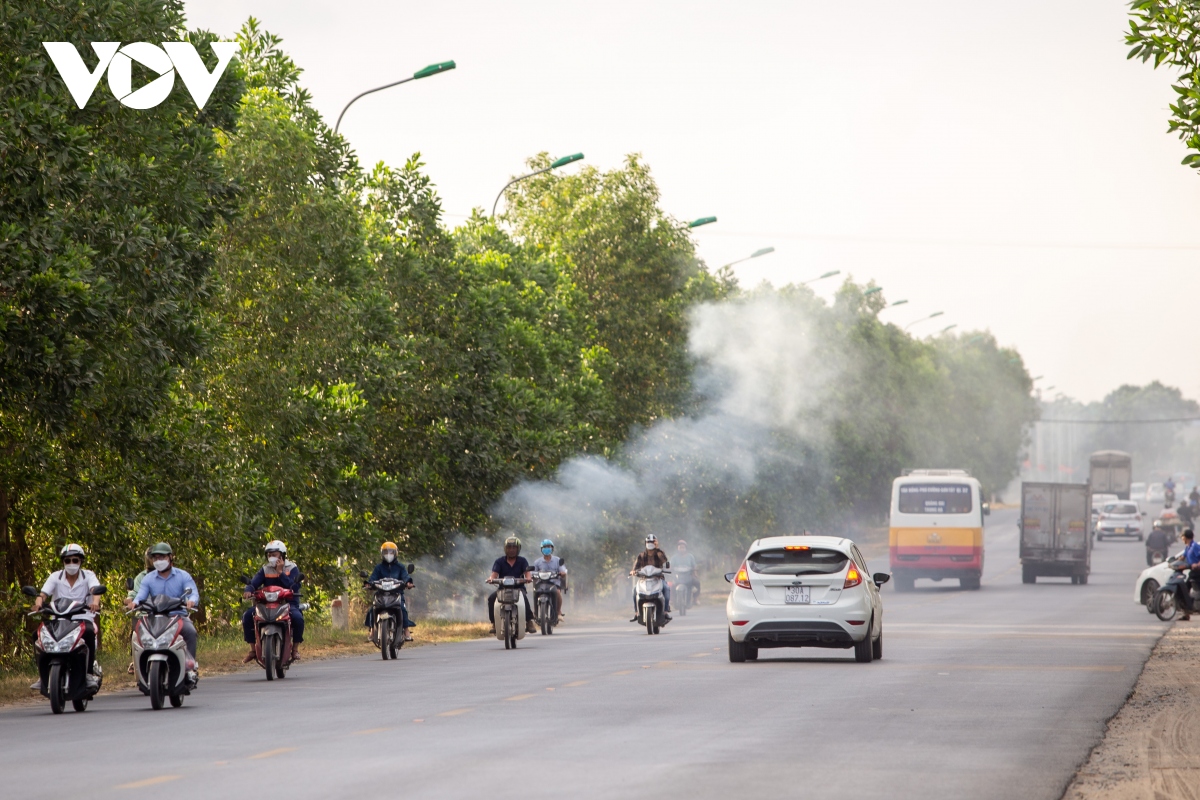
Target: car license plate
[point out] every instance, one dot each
(1118, 530)
(797, 594)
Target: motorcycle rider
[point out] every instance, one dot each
(1186, 513)
(511, 565)
(685, 568)
(652, 556)
(278, 571)
(137, 584)
(389, 566)
(1169, 491)
(170, 580)
(1189, 560)
(552, 563)
(1156, 542)
(73, 582)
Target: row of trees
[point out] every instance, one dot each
(216, 328)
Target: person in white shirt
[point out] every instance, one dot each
(73, 582)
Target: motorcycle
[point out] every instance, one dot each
(161, 662)
(273, 649)
(1175, 596)
(651, 599)
(1154, 557)
(683, 591)
(509, 611)
(545, 601)
(1169, 498)
(62, 655)
(388, 605)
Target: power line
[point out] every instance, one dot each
(1119, 421)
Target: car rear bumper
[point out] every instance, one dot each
(810, 633)
(838, 625)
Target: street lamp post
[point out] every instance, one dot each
(897, 303)
(872, 290)
(755, 254)
(432, 69)
(947, 329)
(696, 223)
(561, 162)
(829, 274)
(924, 319)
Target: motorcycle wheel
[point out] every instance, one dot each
(80, 704)
(156, 685)
(54, 682)
(176, 700)
(1165, 605)
(280, 666)
(269, 658)
(649, 615)
(506, 630)
(544, 617)
(385, 638)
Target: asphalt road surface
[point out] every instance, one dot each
(996, 693)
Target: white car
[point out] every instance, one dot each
(1151, 579)
(1119, 518)
(805, 591)
(1156, 493)
(1098, 502)
(1137, 491)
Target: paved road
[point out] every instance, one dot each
(996, 693)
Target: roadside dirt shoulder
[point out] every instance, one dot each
(1150, 748)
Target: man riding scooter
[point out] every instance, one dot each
(683, 564)
(652, 556)
(171, 581)
(1157, 543)
(278, 571)
(511, 565)
(552, 563)
(73, 582)
(1190, 559)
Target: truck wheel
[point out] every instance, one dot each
(1083, 580)
(1028, 575)
(971, 583)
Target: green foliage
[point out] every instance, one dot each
(1169, 33)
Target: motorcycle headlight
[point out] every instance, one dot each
(48, 642)
(271, 597)
(147, 639)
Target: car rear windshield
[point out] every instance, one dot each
(1120, 508)
(810, 561)
(935, 498)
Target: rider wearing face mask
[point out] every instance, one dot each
(278, 571)
(75, 583)
(173, 582)
(389, 566)
(654, 557)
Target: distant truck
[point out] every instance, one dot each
(1111, 471)
(1056, 531)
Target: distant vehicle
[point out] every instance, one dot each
(1054, 531)
(1149, 582)
(936, 528)
(1120, 518)
(1098, 501)
(1137, 491)
(804, 591)
(1111, 471)
(1156, 493)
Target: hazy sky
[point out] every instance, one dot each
(1000, 162)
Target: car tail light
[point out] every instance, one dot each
(740, 622)
(797, 547)
(742, 578)
(853, 577)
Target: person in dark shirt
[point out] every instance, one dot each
(389, 566)
(278, 571)
(1156, 542)
(511, 565)
(652, 556)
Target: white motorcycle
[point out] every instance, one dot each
(651, 598)
(160, 657)
(509, 611)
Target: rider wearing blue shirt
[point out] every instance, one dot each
(167, 579)
(389, 566)
(1190, 559)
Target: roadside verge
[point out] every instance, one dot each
(1151, 748)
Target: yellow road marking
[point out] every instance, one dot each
(276, 752)
(455, 712)
(219, 763)
(149, 782)
(549, 688)
(371, 730)
(700, 655)
(517, 697)
(575, 683)
(624, 672)
(418, 720)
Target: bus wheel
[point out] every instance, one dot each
(971, 583)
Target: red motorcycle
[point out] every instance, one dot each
(273, 630)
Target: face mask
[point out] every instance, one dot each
(547, 551)
(71, 569)
(649, 545)
(162, 564)
(273, 561)
(389, 557)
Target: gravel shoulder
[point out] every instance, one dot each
(1151, 748)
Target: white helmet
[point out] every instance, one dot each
(72, 550)
(275, 544)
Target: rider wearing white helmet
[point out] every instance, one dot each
(73, 582)
(278, 571)
(652, 556)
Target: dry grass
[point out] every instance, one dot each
(223, 654)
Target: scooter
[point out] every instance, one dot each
(160, 657)
(273, 649)
(509, 611)
(388, 605)
(651, 599)
(1174, 597)
(545, 601)
(1169, 498)
(62, 655)
(682, 590)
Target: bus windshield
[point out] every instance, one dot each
(935, 498)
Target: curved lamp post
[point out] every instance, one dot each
(947, 328)
(696, 223)
(829, 274)
(924, 319)
(432, 69)
(561, 162)
(755, 254)
(872, 290)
